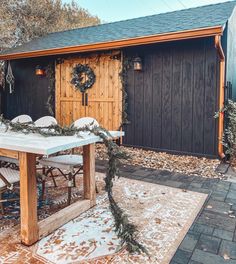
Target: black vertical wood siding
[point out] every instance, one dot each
(31, 91)
(171, 103)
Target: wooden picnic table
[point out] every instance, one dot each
(26, 148)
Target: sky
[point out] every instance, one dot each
(115, 10)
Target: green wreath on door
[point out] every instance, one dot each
(83, 77)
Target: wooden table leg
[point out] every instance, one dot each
(89, 173)
(28, 199)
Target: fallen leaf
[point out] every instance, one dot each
(226, 257)
(58, 241)
(107, 230)
(232, 216)
(111, 248)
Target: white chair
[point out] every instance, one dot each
(8, 179)
(45, 121)
(71, 163)
(5, 161)
(86, 121)
(22, 119)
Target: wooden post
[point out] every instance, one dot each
(28, 199)
(89, 173)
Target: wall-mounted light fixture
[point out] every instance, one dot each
(40, 71)
(138, 65)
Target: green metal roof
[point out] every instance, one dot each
(187, 19)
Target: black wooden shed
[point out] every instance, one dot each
(187, 57)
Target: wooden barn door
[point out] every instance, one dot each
(103, 100)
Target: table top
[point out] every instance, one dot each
(37, 144)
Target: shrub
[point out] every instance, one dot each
(229, 136)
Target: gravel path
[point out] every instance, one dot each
(189, 165)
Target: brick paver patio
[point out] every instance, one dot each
(212, 237)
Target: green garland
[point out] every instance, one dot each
(124, 76)
(126, 231)
(50, 73)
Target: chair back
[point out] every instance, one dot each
(45, 121)
(22, 119)
(86, 121)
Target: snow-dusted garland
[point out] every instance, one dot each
(124, 76)
(126, 231)
(50, 72)
(78, 79)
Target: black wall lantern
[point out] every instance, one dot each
(138, 66)
(40, 71)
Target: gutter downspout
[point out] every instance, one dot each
(221, 54)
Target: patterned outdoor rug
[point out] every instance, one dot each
(162, 214)
(56, 199)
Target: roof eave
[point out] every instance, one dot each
(116, 44)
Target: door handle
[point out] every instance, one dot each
(83, 99)
(86, 99)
